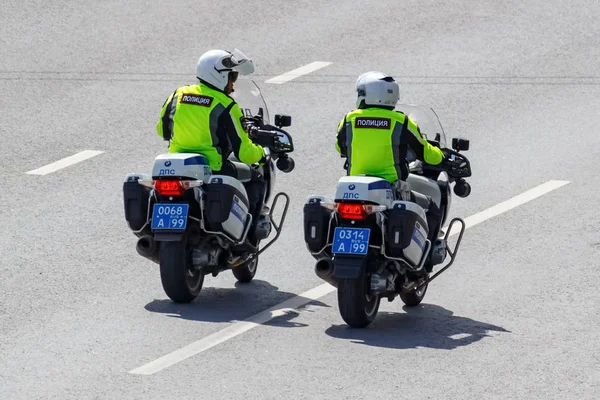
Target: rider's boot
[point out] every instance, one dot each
(436, 236)
(261, 225)
(402, 190)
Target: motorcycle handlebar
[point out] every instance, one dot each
(279, 150)
(271, 139)
(458, 165)
(455, 164)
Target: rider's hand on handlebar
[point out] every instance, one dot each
(447, 155)
(251, 129)
(450, 159)
(457, 164)
(250, 126)
(266, 154)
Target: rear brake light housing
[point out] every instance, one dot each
(170, 187)
(351, 211)
(355, 211)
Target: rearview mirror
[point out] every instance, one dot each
(284, 143)
(283, 120)
(460, 144)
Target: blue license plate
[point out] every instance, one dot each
(351, 240)
(170, 216)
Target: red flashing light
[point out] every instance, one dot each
(351, 211)
(169, 188)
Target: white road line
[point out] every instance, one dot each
(307, 69)
(65, 162)
(233, 330)
(509, 204)
(313, 294)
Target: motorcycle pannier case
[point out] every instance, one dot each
(135, 201)
(226, 206)
(406, 231)
(316, 223)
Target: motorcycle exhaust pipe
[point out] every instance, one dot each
(147, 248)
(324, 270)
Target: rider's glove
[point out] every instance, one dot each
(448, 158)
(251, 129)
(266, 154)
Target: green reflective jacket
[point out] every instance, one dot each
(200, 119)
(375, 141)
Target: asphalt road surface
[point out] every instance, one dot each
(83, 316)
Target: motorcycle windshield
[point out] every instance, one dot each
(249, 97)
(428, 122)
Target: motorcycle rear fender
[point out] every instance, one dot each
(168, 236)
(348, 267)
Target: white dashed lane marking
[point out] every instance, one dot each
(307, 69)
(65, 162)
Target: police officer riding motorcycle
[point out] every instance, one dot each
(375, 139)
(204, 119)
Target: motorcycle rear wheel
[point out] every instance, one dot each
(358, 307)
(179, 281)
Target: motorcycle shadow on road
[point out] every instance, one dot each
(224, 305)
(426, 325)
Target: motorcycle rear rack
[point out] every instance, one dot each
(276, 226)
(452, 253)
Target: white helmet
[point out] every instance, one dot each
(377, 89)
(214, 67)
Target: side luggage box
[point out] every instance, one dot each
(135, 201)
(226, 206)
(317, 232)
(406, 231)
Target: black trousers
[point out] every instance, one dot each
(434, 218)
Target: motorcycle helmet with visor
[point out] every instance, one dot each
(219, 67)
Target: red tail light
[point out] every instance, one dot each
(169, 188)
(351, 211)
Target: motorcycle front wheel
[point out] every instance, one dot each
(245, 272)
(415, 297)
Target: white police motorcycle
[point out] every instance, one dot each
(193, 222)
(370, 244)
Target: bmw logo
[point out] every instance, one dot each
(351, 187)
(167, 163)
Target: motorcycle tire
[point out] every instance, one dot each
(179, 282)
(414, 297)
(246, 272)
(357, 307)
